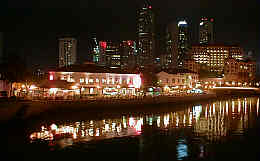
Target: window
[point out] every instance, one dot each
(81, 80)
(91, 80)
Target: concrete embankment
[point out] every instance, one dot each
(24, 110)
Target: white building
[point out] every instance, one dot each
(89, 79)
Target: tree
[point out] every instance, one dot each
(14, 69)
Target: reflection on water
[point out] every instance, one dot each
(212, 122)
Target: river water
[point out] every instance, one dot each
(226, 129)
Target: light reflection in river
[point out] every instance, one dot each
(213, 121)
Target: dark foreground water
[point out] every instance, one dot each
(219, 130)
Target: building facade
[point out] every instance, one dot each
(145, 35)
(206, 31)
(213, 56)
(173, 81)
(237, 73)
(89, 79)
(67, 52)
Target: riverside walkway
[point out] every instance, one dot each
(26, 109)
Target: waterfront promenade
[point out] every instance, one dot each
(26, 109)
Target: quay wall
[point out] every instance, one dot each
(24, 110)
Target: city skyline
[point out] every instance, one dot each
(118, 22)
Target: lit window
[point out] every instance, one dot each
(91, 90)
(81, 80)
(51, 77)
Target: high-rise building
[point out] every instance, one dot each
(177, 42)
(113, 57)
(206, 31)
(128, 54)
(109, 54)
(67, 52)
(145, 35)
(95, 50)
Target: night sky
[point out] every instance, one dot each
(35, 25)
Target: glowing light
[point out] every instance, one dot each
(137, 81)
(166, 120)
(54, 127)
(233, 106)
(197, 110)
(131, 122)
(182, 23)
(257, 106)
(214, 108)
(182, 149)
(53, 90)
(51, 77)
(74, 135)
(201, 23)
(74, 87)
(150, 7)
(32, 87)
(106, 127)
(138, 126)
(97, 132)
(42, 128)
(103, 44)
(227, 107)
(158, 121)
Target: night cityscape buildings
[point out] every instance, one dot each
(67, 51)
(177, 43)
(206, 31)
(140, 54)
(145, 35)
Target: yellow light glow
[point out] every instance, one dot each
(74, 87)
(32, 87)
(54, 127)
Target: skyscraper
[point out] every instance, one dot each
(95, 50)
(206, 31)
(128, 54)
(145, 34)
(177, 42)
(67, 52)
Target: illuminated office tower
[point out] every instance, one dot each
(177, 42)
(67, 52)
(145, 35)
(206, 31)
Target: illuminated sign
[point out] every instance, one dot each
(182, 23)
(103, 44)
